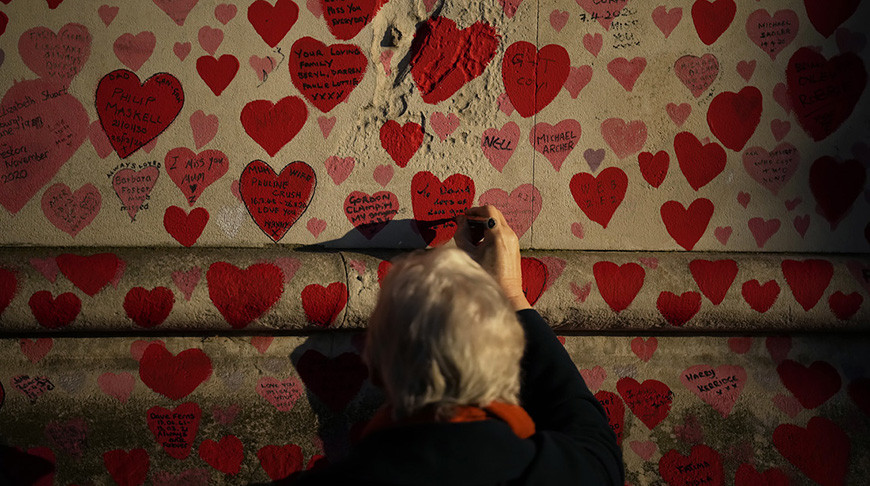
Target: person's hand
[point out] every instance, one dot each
(497, 251)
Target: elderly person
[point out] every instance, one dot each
(479, 390)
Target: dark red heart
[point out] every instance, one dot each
(599, 196)
(54, 313)
(712, 19)
(533, 78)
(273, 125)
(714, 278)
(835, 187)
(859, 390)
(335, 381)
(148, 308)
(323, 304)
(8, 287)
(185, 228)
(446, 58)
(821, 450)
(618, 284)
(175, 429)
(346, 18)
(812, 385)
(127, 468)
(401, 141)
(370, 213)
(436, 203)
(748, 476)
(845, 306)
(650, 401)
(687, 225)
(242, 296)
(273, 22)
(277, 201)
(326, 75)
(807, 279)
(280, 461)
(89, 273)
(133, 113)
(733, 117)
(702, 466)
(383, 269)
(176, 376)
(615, 410)
(534, 276)
(827, 15)
(678, 309)
(217, 73)
(699, 163)
(760, 297)
(226, 456)
(654, 168)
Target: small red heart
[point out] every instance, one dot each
(242, 296)
(175, 429)
(340, 66)
(599, 196)
(714, 278)
(226, 455)
(185, 228)
(700, 163)
(530, 84)
(148, 308)
(650, 401)
(654, 168)
(217, 73)
(8, 288)
(687, 225)
(760, 297)
(54, 313)
(821, 450)
(273, 22)
(702, 465)
(335, 381)
(437, 203)
(323, 304)
(89, 273)
(845, 306)
(644, 349)
(712, 19)
(807, 279)
(812, 385)
(273, 125)
(401, 141)
(534, 276)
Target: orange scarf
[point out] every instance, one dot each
(513, 415)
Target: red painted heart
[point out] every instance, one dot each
(325, 74)
(148, 308)
(436, 203)
(748, 476)
(175, 429)
(534, 277)
(702, 466)
(54, 313)
(277, 201)
(226, 455)
(217, 73)
(807, 279)
(827, 15)
(173, 376)
(654, 168)
(678, 309)
(401, 141)
(273, 125)
(193, 172)
(687, 225)
(273, 22)
(821, 450)
(533, 78)
(369, 214)
(346, 18)
(618, 284)
(280, 462)
(650, 401)
(714, 278)
(615, 410)
(8, 288)
(127, 468)
(835, 187)
(700, 163)
(733, 117)
(242, 296)
(323, 304)
(812, 385)
(712, 18)
(334, 381)
(599, 196)
(845, 306)
(760, 297)
(89, 273)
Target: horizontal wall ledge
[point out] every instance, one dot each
(218, 290)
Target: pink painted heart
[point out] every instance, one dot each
(499, 145)
(697, 73)
(224, 13)
(558, 19)
(581, 293)
(262, 66)
(358, 265)
(779, 128)
(47, 267)
(32, 387)
(739, 344)
(386, 58)
(763, 229)
(593, 43)
(667, 20)
(679, 113)
(339, 168)
(578, 78)
(35, 349)
(722, 234)
(644, 449)
(577, 230)
(793, 203)
(521, 207)
(70, 211)
(282, 394)
(743, 198)
(288, 266)
(555, 267)
(594, 377)
(262, 343)
(509, 7)
(107, 14)
(99, 140)
(772, 33)
(624, 138)
(117, 385)
(49, 126)
(315, 7)
(626, 72)
(746, 68)
(788, 404)
(644, 348)
(326, 124)
(181, 50)
(719, 387)
(315, 226)
(134, 50)
(56, 57)
(649, 262)
(224, 416)
(210, 39)
(383, 174)
(773, 169)
(133, 188)
(443, 124)
(204, 127)
(780, 94)
(186, 281)
(555, 142)
(177, 10)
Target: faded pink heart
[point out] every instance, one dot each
(133, 187)
(386, 58)
(234, 188)
(593, 43)
(443, 124)
(107, 13)
(762, 229)
(594, 158)
(119, 273)
(626, 72)
(71, 211)
(504, 104)
(780, 94)
(787, 404)
(773, 169)
(521, 207)
(315, 7)
(204, 128)
(262, 343)
(225, 415)
(678, 113)
(645, 449)
(577, 230)
(558, 19)
(383, 174)
(117, 385)
(555, 267)
(649, 262)
(99, 140)
(697, 73)
(134, 50)
(555, 142)
(137, 347)
(210, 39)
(594, 377)
(326, 124)
(718, 387)
(36, 349)
(339, 168)
(281, 394)
(224, 13)
(772, 33)
(186, 281)
(578, 78)
(801, 224)
(624, 138)
(181, 50)
(316, 226)
(793, 203)
(740, 345)
(743, 199)
(47, 267)
(509, 7)
(499, 145)
(358, 265)
(722, 234)
(288, 266)
(581, 293)
(56, 57)
(779, 128)
(746, 68)
(262, 66)
(177, 10)
(667, 20)
(644, 348)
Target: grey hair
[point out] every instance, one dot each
(443, 335)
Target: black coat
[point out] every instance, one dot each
(573, 444)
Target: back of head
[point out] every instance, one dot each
(443, 334)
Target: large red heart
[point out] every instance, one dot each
(714, 278)
(8, 287)
(148, 308)
(57, 57)
(807, 279)
(175, 429)
(618, 284)
(242, 296)
(712, 18)
(650, 401)
(445, 58)
(273, 125)
(43, 126)
(193, 172)
(702, 466)
(54, 313)
(534, 276)
(226, 456)
(760, 297)
(827, 15)
(615, 410)
(401, 141)
(277, 201)
(185, 228)
(335, 381)
(678, 309)
(280, 461)
(273, 22)
(133, 113)
(70, 211)
(346, 18)
(324, 74)
(599, 196)
(533, 78)
(687, 225)
(733, 117)
(127, 468)
(369, 214)
(835, 187)
(748, 476)
(89, 273)
(436, 203)
(699, 163)
(823, 92)
(217, 73)
(323, 304)
(821, 450)
(812, 385)
(174, 377)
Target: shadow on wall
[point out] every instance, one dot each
(19, 467)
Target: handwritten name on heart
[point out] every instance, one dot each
(436, 203)
(326, 74)
(772, 33)
(520, 208)
(70, 211)
(273, 125)
(650, 401)
(32, 387)
(370, 213)
(625, 138)
(719, 387)
(43, 127)
(772, 169)
(277, 201)
(134, 188)
(703, 465)
(555, 142)
(532, 78)
(282, 394)
(175, 429)
(193, 172)
(614, 407)
(346, 18)
(599, 196)
(697, 73)
(499, 145)
(58, 57)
